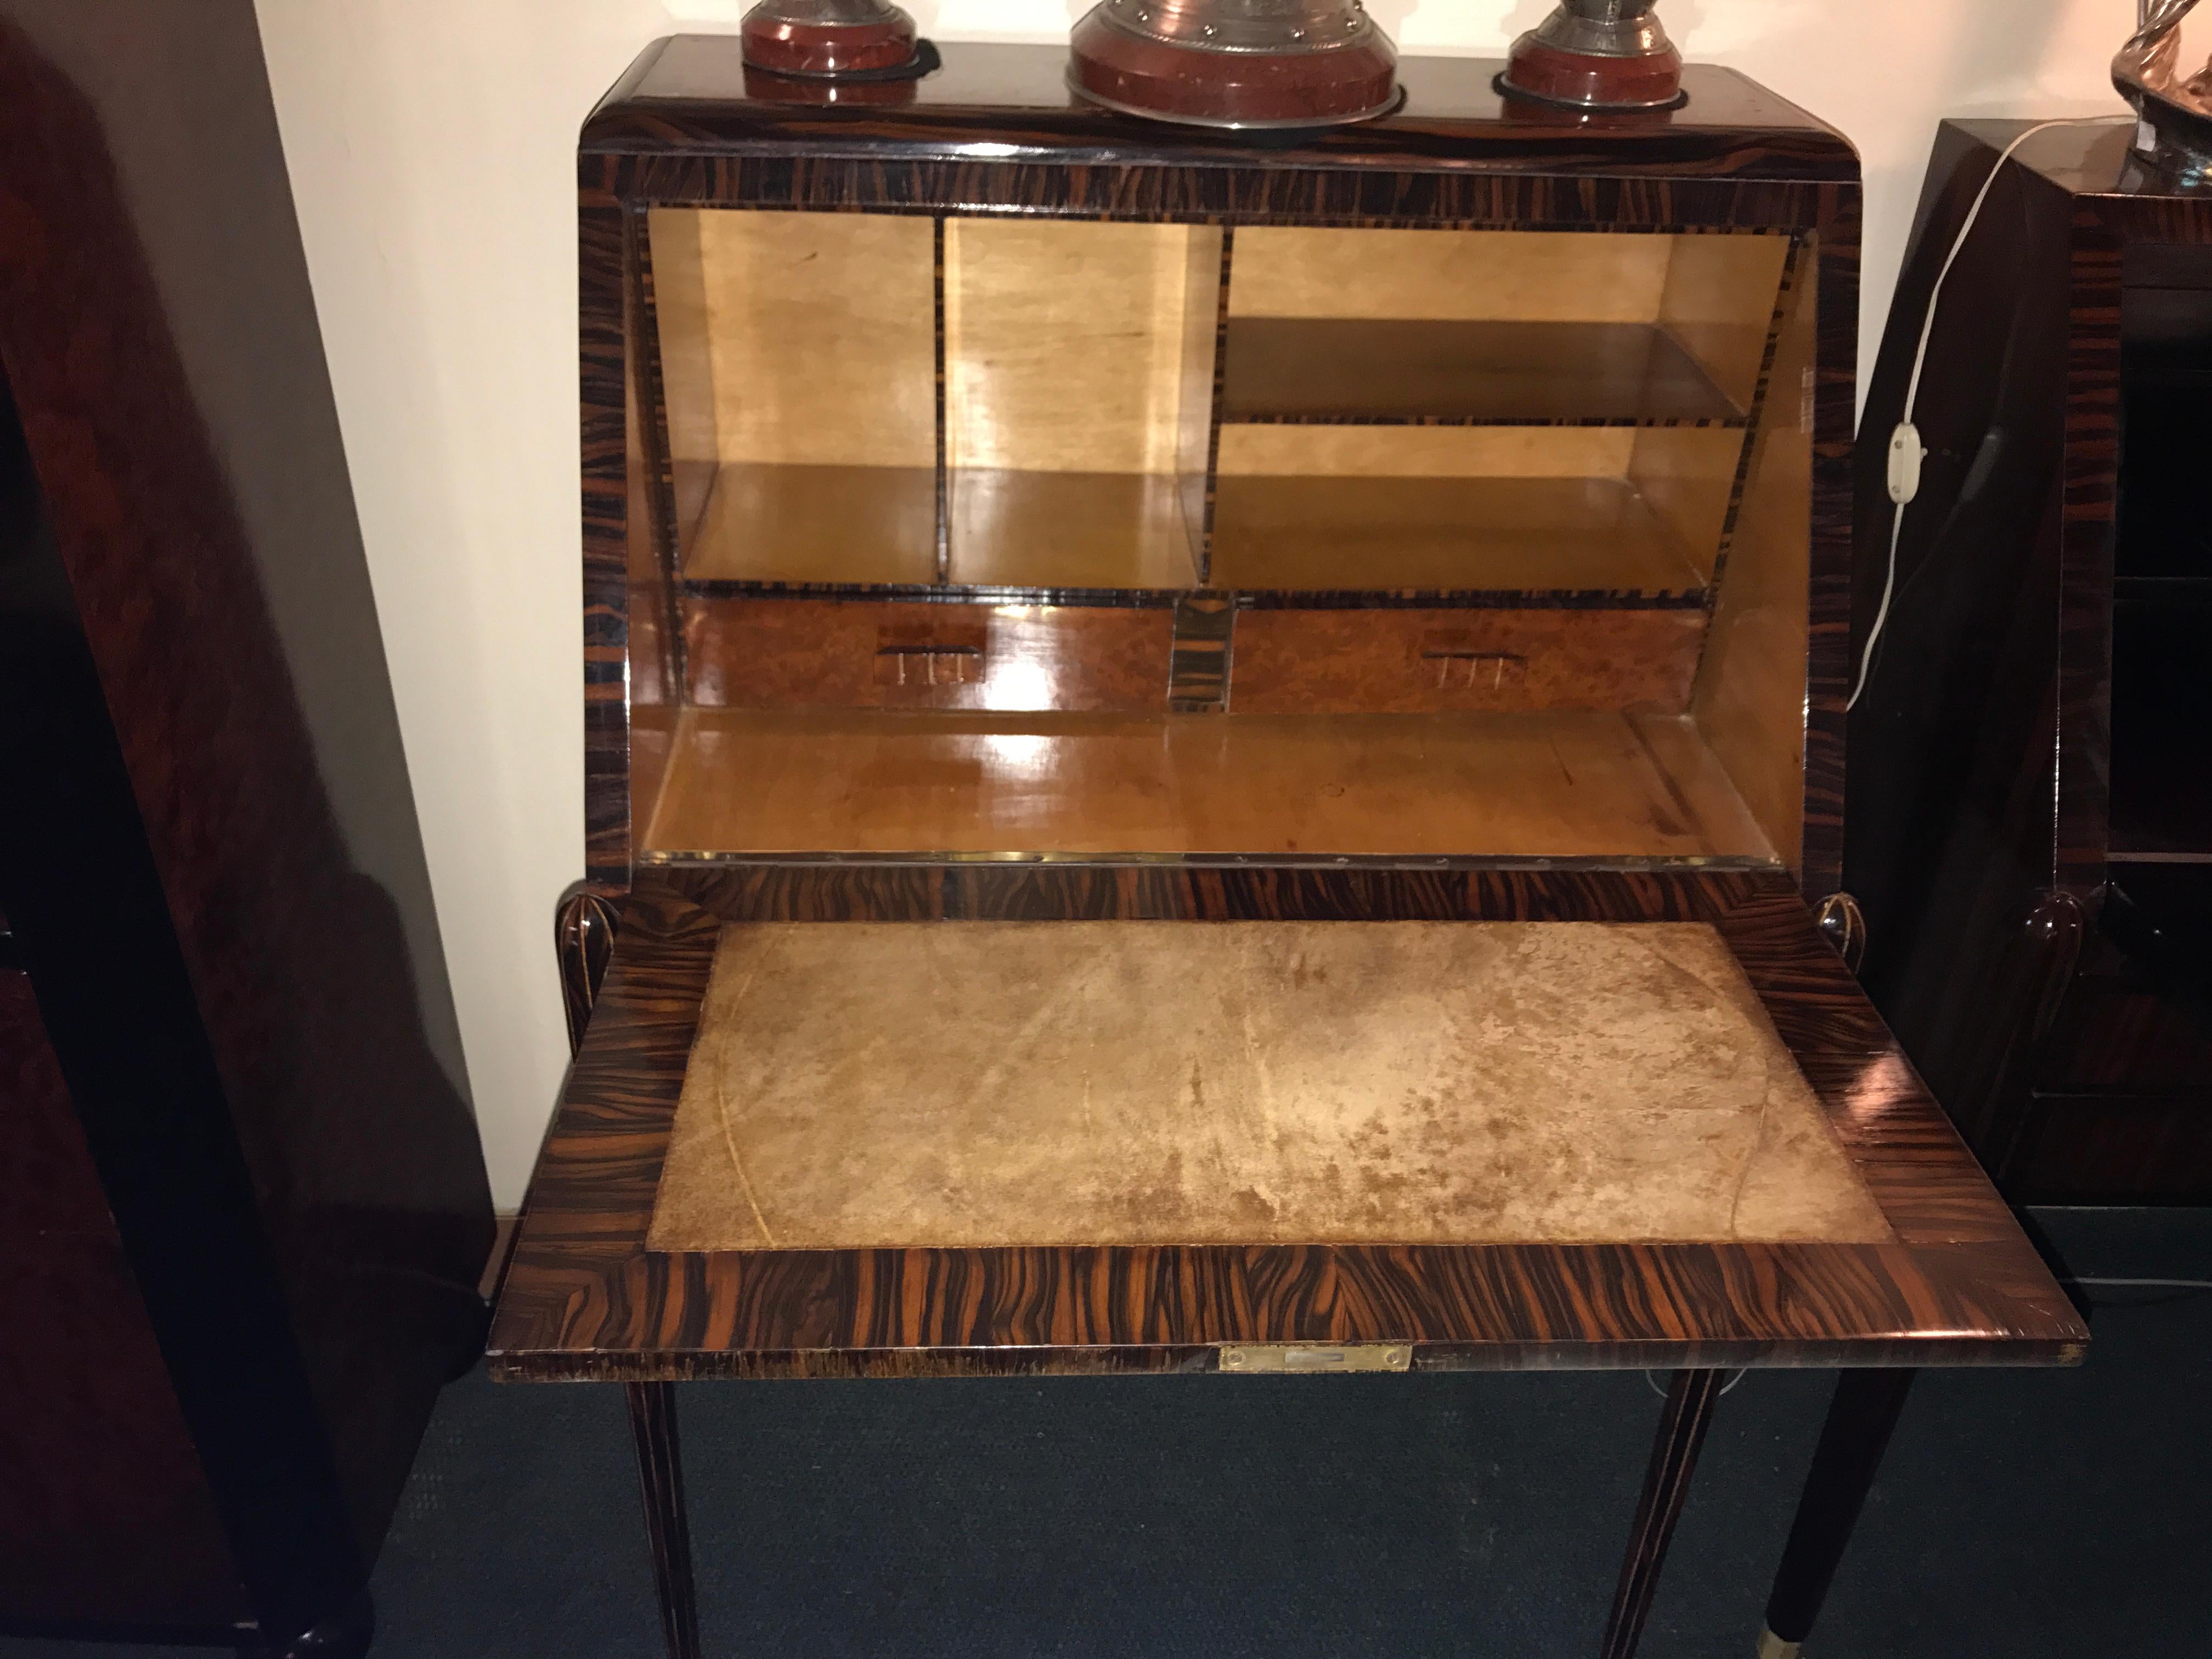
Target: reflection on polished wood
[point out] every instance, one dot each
(1068, 530)
(1511, 785)
(818, 523)
(1446, 535)
(857, 653)
(1347, 368)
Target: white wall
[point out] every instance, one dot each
(431, 148)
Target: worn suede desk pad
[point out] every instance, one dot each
(948, 1085)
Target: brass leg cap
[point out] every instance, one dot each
(1771, 1646)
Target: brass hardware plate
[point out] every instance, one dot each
(1252, 1358)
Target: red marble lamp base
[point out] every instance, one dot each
(784, 47)
(1148, 77)
(1588, 80)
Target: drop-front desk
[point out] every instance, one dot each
(1212, 754)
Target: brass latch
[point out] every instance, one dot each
(1246, 1358)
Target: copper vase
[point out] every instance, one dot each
(1236, 62)
(1597, 54)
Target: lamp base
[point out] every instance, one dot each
(1583, 80)
(827, 38)
(1355, 79)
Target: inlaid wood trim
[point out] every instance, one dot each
(606, 233)
(1828, 639)
(651, 391)
(585, 1298)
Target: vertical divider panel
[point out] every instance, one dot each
(937, 331)
(1205, 328)
(1756, 407)
(648, 420)
(1717, 300)
(603, 345)
(678, 334)
(1752, 690)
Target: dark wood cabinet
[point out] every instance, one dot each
(2030, 826)
(243, 1210)
(1215, 754)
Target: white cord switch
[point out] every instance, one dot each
(1906, 452)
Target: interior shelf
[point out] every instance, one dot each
(1327, 370)
(1446, 535)
(1012, 528)
(780, 523)
(1556, 785)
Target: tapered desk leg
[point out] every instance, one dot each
(1682, 1428)
(1865, 1408)
(660, 1473)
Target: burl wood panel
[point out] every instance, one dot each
(586, 1297)
(1557, 785)
(1309, 662)
(796, 653)
(1256, 1083)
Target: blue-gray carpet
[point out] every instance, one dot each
(2038, 1514)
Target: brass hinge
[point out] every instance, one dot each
(1247, 1357)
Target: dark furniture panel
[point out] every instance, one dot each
(210, 862)
(2114, 1149)
(123, 1524)
(2030, 811)
(2119, 1031)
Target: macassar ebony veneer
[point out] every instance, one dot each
(1218, 757)
(2031, 832)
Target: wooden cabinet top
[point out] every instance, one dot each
(692, 93)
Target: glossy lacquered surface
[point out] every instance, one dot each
(209, 859)
(1253, 391)
(586, 1297)
(2047, 582)
(680, 95)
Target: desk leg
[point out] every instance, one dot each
(1865, 1408)
(1682, 1426)
(660, 1473)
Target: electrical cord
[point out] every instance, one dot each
(1905, 450)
